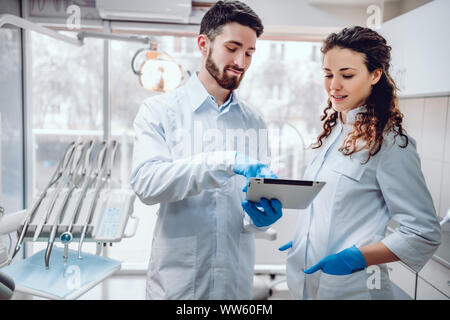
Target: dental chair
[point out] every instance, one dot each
(7, 287)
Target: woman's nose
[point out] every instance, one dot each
(335, 84)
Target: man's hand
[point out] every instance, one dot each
(251, 168)
(264, 215)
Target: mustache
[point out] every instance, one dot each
(235, 69)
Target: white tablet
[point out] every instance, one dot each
(293, 194)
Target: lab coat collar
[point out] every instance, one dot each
(351, 116)
(198, 95)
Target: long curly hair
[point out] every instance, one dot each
(382, 114)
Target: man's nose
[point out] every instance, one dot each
(240, 60)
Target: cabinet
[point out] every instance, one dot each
(435, 275)
(403, 277)
(431, 283)
(419, 50)
(426, 291)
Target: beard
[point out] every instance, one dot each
(223, 79)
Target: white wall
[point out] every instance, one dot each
(427, 120)
(420, 67)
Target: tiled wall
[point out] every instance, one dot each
(427, 120)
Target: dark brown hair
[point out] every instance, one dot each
(223, 12)
(382, 114)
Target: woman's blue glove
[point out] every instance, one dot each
(286, 246)
(251, 168)
(345, 262)
(265, 216)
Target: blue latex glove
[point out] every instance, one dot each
(251, 168)
(286, 246)
(345, 262)
(264, 215)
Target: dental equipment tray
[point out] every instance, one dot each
(108, 224)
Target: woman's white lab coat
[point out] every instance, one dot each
(354, 208)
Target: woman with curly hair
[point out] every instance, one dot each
(372, 174)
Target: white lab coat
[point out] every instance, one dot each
(354, 208)
(202, 247)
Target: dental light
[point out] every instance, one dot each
(158, 72)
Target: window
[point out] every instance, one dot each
(284, 83)
(11, 155)
(11, 126)
(67, 102)
(127, 96)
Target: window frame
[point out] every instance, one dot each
(117, 27)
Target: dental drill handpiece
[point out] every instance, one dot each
(56, 193)
(106, 171)
(54, 179)
(100, 172)
(72, 183)
(64, 180)
(67, 237)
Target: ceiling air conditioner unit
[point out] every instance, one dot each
(145, 10)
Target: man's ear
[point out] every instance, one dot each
(203, 44)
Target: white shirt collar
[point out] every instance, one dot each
(197, 94)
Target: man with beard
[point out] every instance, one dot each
(203, 247)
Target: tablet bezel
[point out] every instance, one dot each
(293, 194)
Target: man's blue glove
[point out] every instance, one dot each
(286, 246)
(266, 214)
(251, 168)
(345, 262)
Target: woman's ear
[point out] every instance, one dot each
(376, 76)
(203, 44)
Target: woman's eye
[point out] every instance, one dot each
(231, 49)
(348, 76)
(328, 76)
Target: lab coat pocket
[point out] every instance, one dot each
(176, 266)
(351, 169)
(343, 287)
